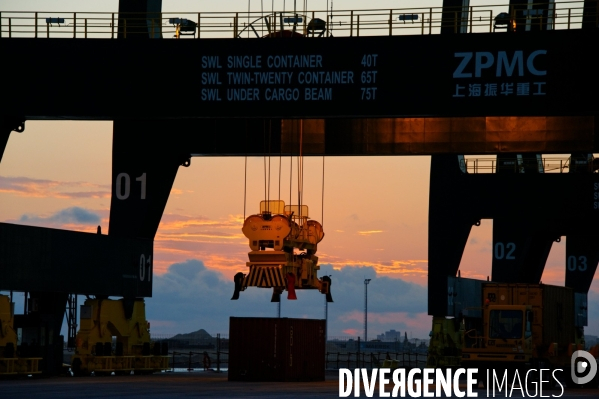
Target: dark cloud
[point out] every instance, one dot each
(74, 215)
(384, 294)
(190, 296)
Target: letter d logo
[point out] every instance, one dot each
(581, 366)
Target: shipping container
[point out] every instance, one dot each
(276, 349)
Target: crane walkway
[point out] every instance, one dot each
(339, 23)
(554, 164)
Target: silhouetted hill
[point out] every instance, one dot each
(200, 334)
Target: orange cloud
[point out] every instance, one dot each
(38, 188)
(184, 236)
(369, 232)
(219, 243)
(412, 270)
(177, 222)
(176, 191)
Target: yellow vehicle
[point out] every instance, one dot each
(510, 327)
(104, 321)
(10, 363)
(524, 324)
(284, 242)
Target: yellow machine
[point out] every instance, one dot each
(524, 324)
(505, 326)
(284, 243)
(104, 321)
(10, 364)
(446, 342)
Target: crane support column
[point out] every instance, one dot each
(582, 257)
(449, 223)
(590, 14)
(140, 19)
(4, 135)
(7, 126)
(582, 249)
(533, 15)
(520, 250)
(521, 244)
(454, 17)
(144, 168)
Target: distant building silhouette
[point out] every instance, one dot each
(389, 336)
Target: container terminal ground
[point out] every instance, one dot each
(204, 384)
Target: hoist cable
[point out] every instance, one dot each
(280, 159)
(269, 149)
(300, 168)
(291, 167)
(245, 177)
(245, 182)
(322, 196)
(264, 159)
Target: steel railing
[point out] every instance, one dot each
(193, 354)
(192, 361)
(543, 165)
(369, 360)
(347, 23)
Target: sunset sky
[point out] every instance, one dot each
(58, 174)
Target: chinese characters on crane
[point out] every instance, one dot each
(486, 74)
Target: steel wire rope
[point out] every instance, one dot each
(269, 149)
(266, 175)
(322, 197)
(245, 177)
(331, 20)
(280, 158)
(300, 170)
(264, 163)
(291, 168)
(299, 179)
